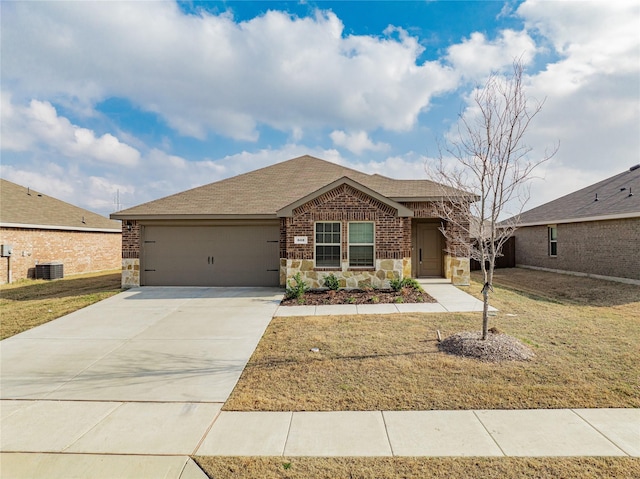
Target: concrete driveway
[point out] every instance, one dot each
(143, 372)
(147, 344)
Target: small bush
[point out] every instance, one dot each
(332, 282)
(296, 291)
(411, 283)
(398, 284)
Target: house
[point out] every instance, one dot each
(36, 228)
(304, 215)
(593, 231)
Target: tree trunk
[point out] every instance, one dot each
(485, 311)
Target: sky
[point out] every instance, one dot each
(108, 105)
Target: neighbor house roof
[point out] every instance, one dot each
(613, 198)
(23, 207)
(264, 192)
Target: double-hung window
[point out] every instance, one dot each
(553, 240)
(328, 241)
(361, 241)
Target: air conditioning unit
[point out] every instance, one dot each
(49, 271)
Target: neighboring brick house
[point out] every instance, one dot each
(593, 231)
(41, 229)
(304, 215)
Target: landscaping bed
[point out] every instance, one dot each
(358, 296)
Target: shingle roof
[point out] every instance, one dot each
(23, 207)
(265, 191)
(618, 197)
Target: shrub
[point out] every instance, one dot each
(410, 283)
(332, 282)
(296, 291)
(396, 284)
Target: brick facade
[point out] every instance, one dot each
(79, 251)
(130, 240)
(393, 240)
(344, 204)
(607, 248)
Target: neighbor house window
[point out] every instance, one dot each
(361, 241)
(553, 240)
(328, 245)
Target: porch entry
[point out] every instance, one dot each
(428, 249)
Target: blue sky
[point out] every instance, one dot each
(146, 99)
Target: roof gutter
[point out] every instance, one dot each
(618, 216)
(60, 228)
(144, 217)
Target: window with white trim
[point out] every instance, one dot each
(553, 240)
(361, 244)
(328, 245)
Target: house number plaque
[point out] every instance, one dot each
(299, 240)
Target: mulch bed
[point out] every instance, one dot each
(357, 296)
(497, 347)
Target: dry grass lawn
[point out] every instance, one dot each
(419, 468)
(26, 304)
(585, 334)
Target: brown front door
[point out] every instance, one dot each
(428, 249)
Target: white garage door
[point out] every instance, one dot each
(246, 255)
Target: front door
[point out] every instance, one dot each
(428, 249)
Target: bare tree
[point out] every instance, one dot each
(488, 158)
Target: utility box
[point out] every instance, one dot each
(49, 271)
(6, 250)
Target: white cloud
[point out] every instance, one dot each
(210, 73)
(356, 142)
(39, 126)
(477, 56)
(591, 93)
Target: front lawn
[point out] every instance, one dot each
(26, 304)
(584, 333)
(420, 467)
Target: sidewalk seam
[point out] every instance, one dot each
(286, 439)
(206, 433)
(386, 431)
(488, 432)
(100, 421)
(601, 433)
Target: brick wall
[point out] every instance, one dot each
(344, 204)
(457, 240)
(130, 239)
(79, 251)
(607, 248)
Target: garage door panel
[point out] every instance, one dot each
(211, 255)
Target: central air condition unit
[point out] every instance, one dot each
(49, 271)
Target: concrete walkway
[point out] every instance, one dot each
(539, 432)
(449, 300)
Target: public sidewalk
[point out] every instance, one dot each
(449, 300)
(538, 432)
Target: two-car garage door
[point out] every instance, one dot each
(220, 255)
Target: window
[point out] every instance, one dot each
(553, 240)
(361, 240)
(328, 245)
